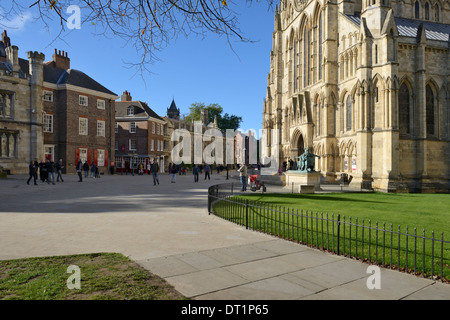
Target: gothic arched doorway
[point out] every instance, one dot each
(297, 146)
(300, 146)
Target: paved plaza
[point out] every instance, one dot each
(167, 230)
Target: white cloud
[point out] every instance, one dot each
(17, 23)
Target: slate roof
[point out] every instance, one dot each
(355, 18)
(173, 106)
(141, 109)
(69, 76)
(80, 79)
(433, 30)
(409, 28)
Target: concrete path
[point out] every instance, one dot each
(166, 229)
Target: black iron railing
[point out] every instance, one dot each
(384, 245)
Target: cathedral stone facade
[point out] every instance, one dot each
(365, 84)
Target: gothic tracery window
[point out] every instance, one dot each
(349, 113)
(305, 56)
(430, 106)
(417, 10)
(320, 47)
(403, 104)
(295, 66)
(436, 12)
(6, 105)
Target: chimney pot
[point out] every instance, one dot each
(61, 60)
(125, 96)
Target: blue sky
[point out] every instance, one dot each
(192, 70)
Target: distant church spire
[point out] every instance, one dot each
(173, 112)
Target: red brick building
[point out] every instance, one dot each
(78, 116)
(139, 135)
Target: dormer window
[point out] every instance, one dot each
(130, 111)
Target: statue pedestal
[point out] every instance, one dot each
(296, 179)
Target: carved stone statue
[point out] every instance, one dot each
(306, 161)
(299, 5)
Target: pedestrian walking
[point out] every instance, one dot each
(59, 168)
(86, 169)
(174, 173)
(148, 168)
(195, 171)
(93, 170)
(154, 169)
(36, 169)
(32, 172)
(79, 167)
(243, 176)
(207, 172)
(43, 171)
(50, 171)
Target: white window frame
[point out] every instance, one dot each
(120, 162)
(48, 123)
(130, 111)
(153, 127)
(48, 95)
(129, 145)
(101, 130)
(116, 127)
(100, 157)
(83, 100)
(152, 145)
(52, 152)
(133, 125)
(101, 104)
(80, 132)
(83, 155)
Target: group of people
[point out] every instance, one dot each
(86, 168)
(196, 171)
(46, 171)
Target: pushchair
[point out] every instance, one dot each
(256, 184)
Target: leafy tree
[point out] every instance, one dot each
(229, 122)
(224, 122)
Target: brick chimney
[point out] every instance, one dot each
(126, 96)
(5, 39)
(60, 60)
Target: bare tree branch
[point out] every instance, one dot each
(146, 25)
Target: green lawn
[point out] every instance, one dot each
(312, 219)
(429, 211)
(104, 276)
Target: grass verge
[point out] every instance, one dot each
(104, 276)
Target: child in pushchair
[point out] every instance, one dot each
(256, 184)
